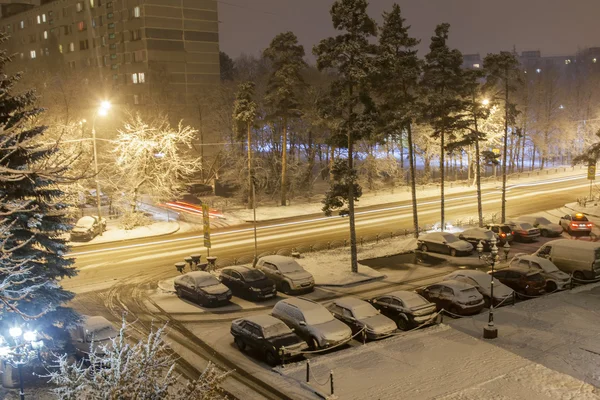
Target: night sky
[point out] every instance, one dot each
(556, 27)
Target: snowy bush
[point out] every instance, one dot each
(120, 370)
(131, 220)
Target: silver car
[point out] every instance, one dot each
(359, 315)
(288, 275)
(92, 335)
(546, 227)
(483, 283)
(555, 278)
(312, 322)
(446, 243)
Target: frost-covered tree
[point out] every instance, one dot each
(152, 158)
(125, 369)
(244, 114)
(399, 69)
(32, 217)
(444, 89)
(349, 107)
(282, 96)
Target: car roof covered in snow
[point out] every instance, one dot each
(458, 285)
(86, 221)
(403, 295)
(238, 268)
(275, 259)
(263, 320)
(95, 323)
(478, 233)
(349, 302)
(201, 276)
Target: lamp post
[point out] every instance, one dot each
(101, 111)
(490, 331)
(254, 221)
(26, 347)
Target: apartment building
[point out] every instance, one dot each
(139, 49)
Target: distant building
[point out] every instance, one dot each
(472, 61)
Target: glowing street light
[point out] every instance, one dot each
(102, 111)
(26, 346)
(485, 102)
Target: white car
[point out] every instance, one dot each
(555, 278)
(547, 228)
(93, 333)
(483, 283)
(288, 275)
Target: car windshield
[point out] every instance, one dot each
(252, 275)
(278, 329)
(412, 300)
(206, 281)
(85, 222)
(364, 311)
(289, 266)
(543, 221)
(450, 238)
(317, 315)
(469, 292)
(579, 218)
(526, 225)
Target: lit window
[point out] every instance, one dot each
(43, 17)
(81, 26)
(142, 77)
(72, 46)
(136, 99)
(22, 24)
(32, 54)
(594, 61)
(60, 49)
(91, 3)
(538, 70)
(22, 56)
(111, 36)
(46, 51)
(475, 65)
(45, 34)
(39, 19)
(79, 6)
(567, 61)
(136, 12)
(138, 77)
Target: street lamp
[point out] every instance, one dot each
(101, 111)
(490, 331)
(485, 102)
(26, 347)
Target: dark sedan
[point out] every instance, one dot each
(477, 235)
(407, 309)
(524, 231)
(504, 232)
(457, 297)
(524, 282)
(445, 243)
(359, 315)
(203, 288)
(87, 228)
(268, 336)
(248, 282)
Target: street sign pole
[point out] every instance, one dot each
(591, 175)
(206, 224)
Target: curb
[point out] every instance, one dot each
(591, 215)
(368, 280)
(125, 240)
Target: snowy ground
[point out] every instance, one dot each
(591, 209)
(115, 234)
(547, 349)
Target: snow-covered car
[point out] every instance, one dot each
(524, 231)
(483, 283)
(457, 297)
(203, 288)
(312, 322)
(92, 200)
(359, 315)
(504, 232)
(408, 309)
(92, 334)
(446, 243)
(477, 235)
(555, 278)
(288, 275)
(248, 282)
(267, 335)
(87, 228)
(547, 228)
(525, 282)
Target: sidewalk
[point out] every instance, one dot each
(115, 234)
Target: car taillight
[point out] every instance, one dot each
(590, 225)
(513, 233)
(574, 225)
(503, 234)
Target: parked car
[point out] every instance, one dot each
(504, 232)
(477, 235)
(442, 242)
(248, 282)
(576, 257)
(203, 288)
(408, 309)
(547, 228)
(267, 335)
(92, 334)
(483, 283)
(92, 200)
(555, 278)
(524, 282)
(312, 322)
(87, 228)
(524, 231)
(289, 276)
(576, 223)
(457, 297)
(358, 315)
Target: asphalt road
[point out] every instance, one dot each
(100, 266)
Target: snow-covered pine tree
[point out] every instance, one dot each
(244, 114)
(32, 217)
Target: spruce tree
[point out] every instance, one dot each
(503, 74)
(350, 109)
(33, 217)
(444, 88)
(244, 114)
(285, 83)
(399, 69)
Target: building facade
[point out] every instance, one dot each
(141, 49)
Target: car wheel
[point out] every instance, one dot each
(578, 275)
(452, 252)
(240, 344)
(544, 233)
(402, 324)
(486, 301)
(454, 311)
(551, 287)
(313, 343)
(285, 288)
(272, 359)
(179, 292)
(424, 248)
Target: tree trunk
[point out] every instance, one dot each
(331, 160)
(401, 146)
(478, 178)
(533, 151)
(503, 217)
(353, 249)
(413, 183)
(442, 176)
(250, 198)
(284, 164)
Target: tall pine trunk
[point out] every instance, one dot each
(250, 197)
(442, 176)
(505, 147)
(353, 249)
(478, 178)
(284, 164)
(413, 180)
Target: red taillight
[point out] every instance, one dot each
(574, 225)
(590, 225)
(503, 234)
(513, 233)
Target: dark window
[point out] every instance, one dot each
(136, 34)
(536, 278)
(236, 275)
(111, 25)
(384, 300)
(580, 218)
(109, 4)
(110, 15)
(446, 291)
(84, 45)
(347, 313)
(524, 263)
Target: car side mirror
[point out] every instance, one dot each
(444, 242)
(302, 323)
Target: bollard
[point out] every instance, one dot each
(331, 381)
(295, 254)
(307, 371)
(196, 258)
(212, 263)
(188, 260)
(180, 267)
